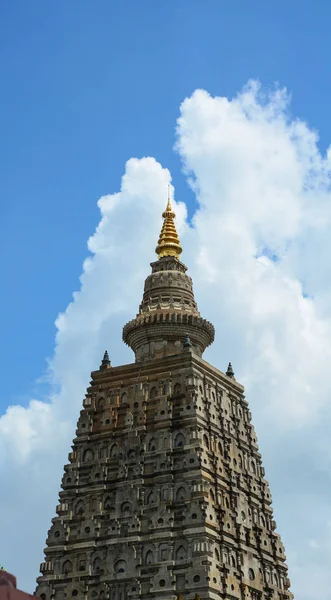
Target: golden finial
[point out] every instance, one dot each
(168, 244)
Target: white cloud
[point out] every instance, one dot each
(263, 191)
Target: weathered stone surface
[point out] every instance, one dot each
(167, 313)
(164, 495)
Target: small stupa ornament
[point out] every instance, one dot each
(230, 371)
(187, 342)
(105, 363)
(168, 244)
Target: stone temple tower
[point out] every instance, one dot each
(164, 496)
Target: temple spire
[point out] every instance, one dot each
(168, 244)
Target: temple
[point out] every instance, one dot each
(164, 496)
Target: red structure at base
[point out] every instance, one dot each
(8, 589)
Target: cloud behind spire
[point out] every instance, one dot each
(261, 184)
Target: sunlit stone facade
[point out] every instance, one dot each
(164, 495)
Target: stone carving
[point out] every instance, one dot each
(164, 494)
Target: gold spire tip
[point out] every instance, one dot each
(169, 208)
(168, 244)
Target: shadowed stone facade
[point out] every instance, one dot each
(164, 495)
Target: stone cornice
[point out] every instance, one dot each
(166, 366)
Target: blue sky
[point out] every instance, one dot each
(87, 85)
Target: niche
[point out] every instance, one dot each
(88, 455)
(180, 553)
(153, 393)
(180, 494)
(151, 498)
(206, 441)
(126, 508)
(149, 558)
(67, 567)
(79, 508)
(120, 566)
(152, 445)
(179, 440)
(96, 565)
(177, 389)
(114, 451)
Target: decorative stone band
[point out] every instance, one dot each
(163, 334)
